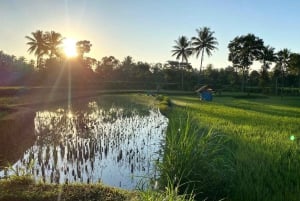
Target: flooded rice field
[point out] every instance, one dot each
(117, 145)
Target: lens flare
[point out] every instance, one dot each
(292, 137)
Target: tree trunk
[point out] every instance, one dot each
(37, 62)
(181, 74)
(276, 86)
(202, 55)
(243, 80)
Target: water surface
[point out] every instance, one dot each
(115, 144)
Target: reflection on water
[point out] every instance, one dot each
(115, 146)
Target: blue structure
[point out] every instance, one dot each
(206, 96)
(205, 93)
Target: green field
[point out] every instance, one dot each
(236, 147)
(261, 151)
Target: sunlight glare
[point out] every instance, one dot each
(69, 115)
(69, 46)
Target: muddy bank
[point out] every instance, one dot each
(17, 131)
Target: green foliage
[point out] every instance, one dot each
(164, 104)
(243, 50)
(205, 42)
(266, 162)
(195, 159)
(24, 188)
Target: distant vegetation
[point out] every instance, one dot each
(279, 74)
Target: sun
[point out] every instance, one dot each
(69, 47)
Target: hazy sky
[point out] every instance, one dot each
(146, 29)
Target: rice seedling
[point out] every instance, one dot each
(117, 145)
(196, 160)
(263, 137)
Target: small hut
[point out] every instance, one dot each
(205, 93)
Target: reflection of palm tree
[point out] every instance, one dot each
(53, 41)
(37, 45)
(205, 42)
(182, 50)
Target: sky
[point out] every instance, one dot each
(147, 29)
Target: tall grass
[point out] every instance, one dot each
(196, 160)
(266, 161)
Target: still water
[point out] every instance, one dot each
(117, 145)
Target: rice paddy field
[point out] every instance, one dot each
(257, 152)
(235, 148)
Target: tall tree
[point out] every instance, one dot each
(295, 65)
(267, 57)
(182, 50)
(106, 67)
(37, 45)
(243, 50)
(283, 61)
(53, 41)
(204, 42)
(83, 46)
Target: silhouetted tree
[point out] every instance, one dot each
(127, 67)
(254, 78)
(243, 50)
(267, 57)
(83, 46)
(204, 42)
(53, 40)
(182, 50)
(283, 59)
(295, 65)
(37, 45)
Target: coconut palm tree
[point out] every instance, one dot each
(37, 45)
(295, 65)
(204, 42)
(283, 61)
(267, 57)
(182, 50)
(53, 41)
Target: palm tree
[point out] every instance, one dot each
(204, 42)
(267, 57)
(182, 50)
(283, 61)
(37, 45)
(53, 41)
(295, 65)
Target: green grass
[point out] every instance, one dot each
(24, 188)
(235, 147)
(196, 160)
(266, 162)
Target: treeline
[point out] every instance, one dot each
(112, 73)
(243, 51)
(279, 73)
